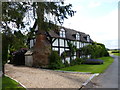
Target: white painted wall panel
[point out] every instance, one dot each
(29, 60)
(66, 44)
(55, 49)
(68, 59)
(31, 43)
(55, 43)
(61, 51)
(77, 44)
(61, 42)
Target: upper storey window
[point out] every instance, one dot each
(62, 33)
(88, 38)
(77, 36)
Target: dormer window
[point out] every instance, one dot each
(88, 38)
(77, 36)
(62, 33)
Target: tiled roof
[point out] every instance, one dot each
(70, 34)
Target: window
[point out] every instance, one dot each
(62, 33)
(77, 36)
(88, 38)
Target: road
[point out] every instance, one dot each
(108, 79)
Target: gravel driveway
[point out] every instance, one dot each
(40, 78)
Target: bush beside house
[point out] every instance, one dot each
(95, 51)
(19, 57)
(55, 61)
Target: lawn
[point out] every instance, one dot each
(8, 83)
(91, 68)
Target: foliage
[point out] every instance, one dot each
(18, 42)
(93, 61)
(115, 51)
(19, 57)
(15, 12)
(79, 60)
(91, 68)
(55, 61)
(66, 64)
(95, 50)
(73, 62)
(72, 48)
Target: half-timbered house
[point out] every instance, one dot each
(60, 38)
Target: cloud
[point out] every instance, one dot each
(103, 29)
(94, 4)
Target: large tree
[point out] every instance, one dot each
(14, 12)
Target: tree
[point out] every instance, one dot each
(14, 12)
(42, 46)
(96, 50)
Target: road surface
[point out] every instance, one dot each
(109, 79)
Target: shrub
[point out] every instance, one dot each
(79, 60)
(93, 61)
(55, 61)
(96, 50)
(66, 64)
(19, 57)
(73, 62)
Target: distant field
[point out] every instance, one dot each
(115, 52)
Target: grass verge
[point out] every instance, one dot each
(91, 68)
(8, 83)
(117, 54)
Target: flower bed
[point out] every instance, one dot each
(93, 61)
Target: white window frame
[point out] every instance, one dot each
(88, 38)
(77, 36)
(62, 33)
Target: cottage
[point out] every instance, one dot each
(59, 39)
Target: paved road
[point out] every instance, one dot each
(119, 72)
(109, 79)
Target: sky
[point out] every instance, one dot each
(98, 18)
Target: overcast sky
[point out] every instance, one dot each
(98, 18)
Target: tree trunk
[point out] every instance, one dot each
(3, 70)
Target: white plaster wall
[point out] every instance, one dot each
(61, 42)
(77, 44)
(28, 60)
(55, 49)
(66, 44)
(55, 43)
(61, 51)
(67, 59)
